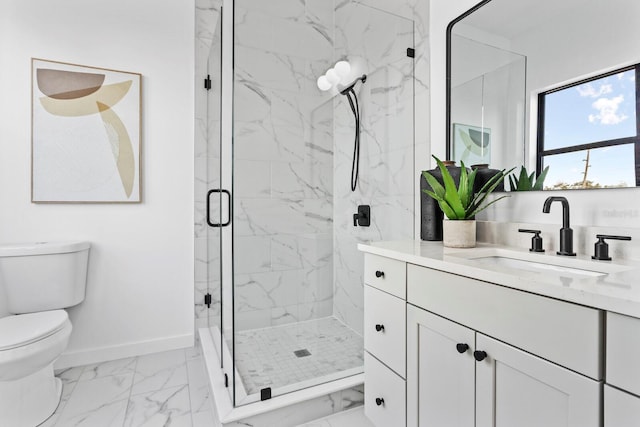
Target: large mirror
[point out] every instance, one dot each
(547, 83)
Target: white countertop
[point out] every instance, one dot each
(618, 290)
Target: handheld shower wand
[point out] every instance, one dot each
(355, 108)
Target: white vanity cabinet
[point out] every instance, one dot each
(461, 372)
(484, 347)
(621, 401)
(385, 340)
(447, 386)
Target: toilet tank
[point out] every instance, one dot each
(44, 275)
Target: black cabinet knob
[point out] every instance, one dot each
(462, 348)
(379, 273)
(379, 328)
(480, 355)
(379, 401)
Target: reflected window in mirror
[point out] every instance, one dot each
(588, 132)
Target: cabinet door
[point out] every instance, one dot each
(623, 352)
(621, 409)
(514, 388)
(384, 394)
(386, 274)
(440, 371)
(384, 328)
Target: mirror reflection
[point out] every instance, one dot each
(549, 86)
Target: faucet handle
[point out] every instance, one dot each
(536, 240)
(601, 248)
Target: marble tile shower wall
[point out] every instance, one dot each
(297, 131)
(283, 162)
(377, 42)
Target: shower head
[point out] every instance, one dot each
(346, 89)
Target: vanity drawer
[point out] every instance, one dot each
(382, 383)
(386, 274)
(564, 333)
(385, 328)
(620, 409)
(623, 352)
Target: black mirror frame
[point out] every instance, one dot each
(448, 72)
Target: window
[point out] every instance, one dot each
(588, 132)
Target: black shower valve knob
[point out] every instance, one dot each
(362, 218)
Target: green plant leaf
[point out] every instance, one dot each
(438, 194)
(434, 184)
(486, 189)
(451, 192)
(524, 182)
(464, 192)
(481, 208)
(540, 181)
(433, 195)
(472, 181)
(448, 211)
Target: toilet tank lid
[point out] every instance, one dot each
(21, 329)
(41, 248)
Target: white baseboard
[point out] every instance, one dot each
(104, 354)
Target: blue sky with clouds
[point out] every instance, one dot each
(602, 109)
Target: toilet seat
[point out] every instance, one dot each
(23, 329)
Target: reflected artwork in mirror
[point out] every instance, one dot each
(554, 85)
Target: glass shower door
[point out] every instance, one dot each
(218, 205)
(297, 293)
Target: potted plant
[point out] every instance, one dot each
(461, 204)
(526, 181)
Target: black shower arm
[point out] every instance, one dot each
(348, 88)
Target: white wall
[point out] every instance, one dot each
(140, 284)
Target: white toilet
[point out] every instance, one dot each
(39, 280)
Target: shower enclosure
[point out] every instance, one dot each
(279, 276)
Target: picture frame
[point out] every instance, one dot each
(85, 134)
(471, 144)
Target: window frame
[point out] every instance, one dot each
(541, 152)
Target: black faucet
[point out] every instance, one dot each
(566, 233)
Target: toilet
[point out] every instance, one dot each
(39, 280)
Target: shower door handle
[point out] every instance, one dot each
(218, 224)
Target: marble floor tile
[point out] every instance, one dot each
(69, 374)
(351, 418)
(161, 389)
(98, 402)
(169, 406)
(161, 370)
(203, 419)
(109, 414)
(198, 386)
(114, 367)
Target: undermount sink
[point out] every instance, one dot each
(521, 264)
(538, 263)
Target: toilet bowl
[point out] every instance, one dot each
(39, 280)
(29, 344)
